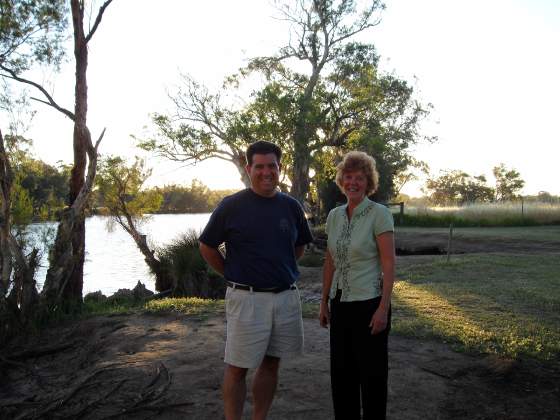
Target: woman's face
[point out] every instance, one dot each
(354, 184)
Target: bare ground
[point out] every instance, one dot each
(139, 366)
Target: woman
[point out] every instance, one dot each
(358, 277)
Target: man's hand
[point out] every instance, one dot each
(213, 257)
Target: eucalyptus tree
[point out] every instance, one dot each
(201, 127)
(32, 32)
(343, 102)
(320, 32)
(121, 189)
(458, 187)
(508, 182)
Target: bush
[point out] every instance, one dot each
(190, 272)
(95, 297)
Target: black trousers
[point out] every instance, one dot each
(359, 361)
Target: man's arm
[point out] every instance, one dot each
(213, 257)
(299, 251)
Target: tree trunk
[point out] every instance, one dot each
(64, 281)
(240, 161)
(72, 293)
(300, 170)
(302, 137)
(5, 191)
(164, 280)
(18, 308)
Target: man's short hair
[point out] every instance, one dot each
(262, 147)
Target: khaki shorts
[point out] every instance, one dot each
(260, 324)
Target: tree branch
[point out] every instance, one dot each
(98, 20)
(12, 75)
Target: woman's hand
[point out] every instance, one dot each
(324, 314)
(378, 321)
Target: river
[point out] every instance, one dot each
(112, 259)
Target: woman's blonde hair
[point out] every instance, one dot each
(358, 161)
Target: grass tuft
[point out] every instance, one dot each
(192, 306)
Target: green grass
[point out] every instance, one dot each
(197, 307)
(91, 308)
(507, 305)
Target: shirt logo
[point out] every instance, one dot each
(284, 226)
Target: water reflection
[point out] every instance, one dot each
(112, 259)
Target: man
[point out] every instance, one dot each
(265, 232)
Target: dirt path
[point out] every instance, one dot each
(167, 367)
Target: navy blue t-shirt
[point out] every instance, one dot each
(260, 234)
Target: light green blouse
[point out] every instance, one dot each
(354, 249)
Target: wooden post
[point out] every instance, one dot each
(449, 242)
(401, 213)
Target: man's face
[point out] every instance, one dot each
(264, 174)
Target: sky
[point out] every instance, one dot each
(489, 68)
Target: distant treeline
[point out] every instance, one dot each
(41, 190)
(195, 198)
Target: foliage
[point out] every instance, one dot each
(199, 129)
(182, 255)
(458, 187)
(342, 104)
(190, 272)
(196, 198)
(22, 205)
(31, 31)
(46, 185)
(508, 182)
(120, 189)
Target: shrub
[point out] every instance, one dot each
(189, 270)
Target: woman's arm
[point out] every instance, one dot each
(328, 272)
(386, 247)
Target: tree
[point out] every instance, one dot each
(34, 33)
(200, 129)
(321, 30)
(458, 187)
(121, 189)
(508, 182)
(18, 293)
(343, 103)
